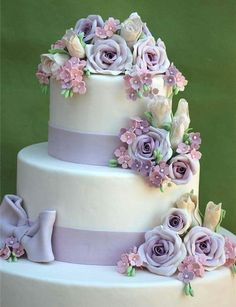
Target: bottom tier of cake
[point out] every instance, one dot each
(27, 284)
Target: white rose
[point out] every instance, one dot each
(131, 29)
(73, 44)
(50, 63)
(212, 215)
(180, 123)
(160, 108)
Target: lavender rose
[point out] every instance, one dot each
(88, 26)
(203, 241)
(182, 168)
(150, 55)
(162, 251)
(109, 56)
(144, 146)
(177, 220)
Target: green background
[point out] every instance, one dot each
(200, 39)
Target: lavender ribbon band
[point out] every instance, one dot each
(93, 247)
(82, 148)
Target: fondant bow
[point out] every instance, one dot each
(34, 237)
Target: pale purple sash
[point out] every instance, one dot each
(93, 247)
(82, 148)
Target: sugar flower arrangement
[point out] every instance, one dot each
(12, 249)
(183, 244)
(109, 47)
(160, 147)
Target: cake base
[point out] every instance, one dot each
(27, 284)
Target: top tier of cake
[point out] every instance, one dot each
(104, 109)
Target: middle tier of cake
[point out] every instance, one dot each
(102, 212)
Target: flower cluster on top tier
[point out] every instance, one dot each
(183, 244)
(161, 146)
(109, 47)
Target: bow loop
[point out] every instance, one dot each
(34, 237)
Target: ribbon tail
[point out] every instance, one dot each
(12, 215)
(37, 242)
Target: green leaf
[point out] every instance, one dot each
(234, 268)
(140, 94)
(191, 292)
(175, 90)
(113, 163)
(133, 272)
(9, 259)
(161, 189)
(44, 88)
(186, 289)
(67, 93)
(141, 36)
(146, 88)
(87, 72)
(81, 39)
(129, 271)
(158, 156)
(60, 51)
(167, 127)
(148, 116)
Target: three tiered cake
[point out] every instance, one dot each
(116, 184)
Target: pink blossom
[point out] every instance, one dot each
(135, 83)
(132, 94)
(195, 154)
(125, 161)
(193, 264)
(100, 32)
(146, 78)
(127, 80)
(111, 26)
(60, 44)
(183, 148)
(230, 252)
(18, 251)
(5, 252)
(11, 241)
(128, 137)
(123, 264)
(78, 87)
(135, 259)
(155, 178)
(121, 151)
(181, 82)
(162, 168)
(195, 138)
(42, 77)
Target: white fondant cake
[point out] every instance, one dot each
(122, 173)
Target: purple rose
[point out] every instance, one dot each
(109, 56)
(162, 251)
(144, 146)
(88, 26)
(182, 168)
(177, 220)
(150, 55)
(203, 241)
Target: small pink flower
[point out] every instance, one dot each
(181, 82)
(155, 178)
(11, 241)
(100, 32)
(125, 161)
(193, 264)
(79, 87)
(230, 252)
(195, 154)
(146, 78)
(111, 26)
(135, 83)
(162, 168)
(123, 264)
(19, 251)
(60, 44)
(128, 137)
(135, 259)
(42, 77)
(195, 138)
(5, 252)
(132, 94)
(183, 148)
(127, 80)
(186, 276)
(121, 151)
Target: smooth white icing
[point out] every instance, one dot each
(103, 109)
(92, 197)
(69, 285)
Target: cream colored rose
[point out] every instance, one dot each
(180, 123)
(50, 63)
(131, 29)
(189, 202)
(73, 44)
(160, 108)
(212, 215)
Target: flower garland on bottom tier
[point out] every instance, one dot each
(184, 245)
